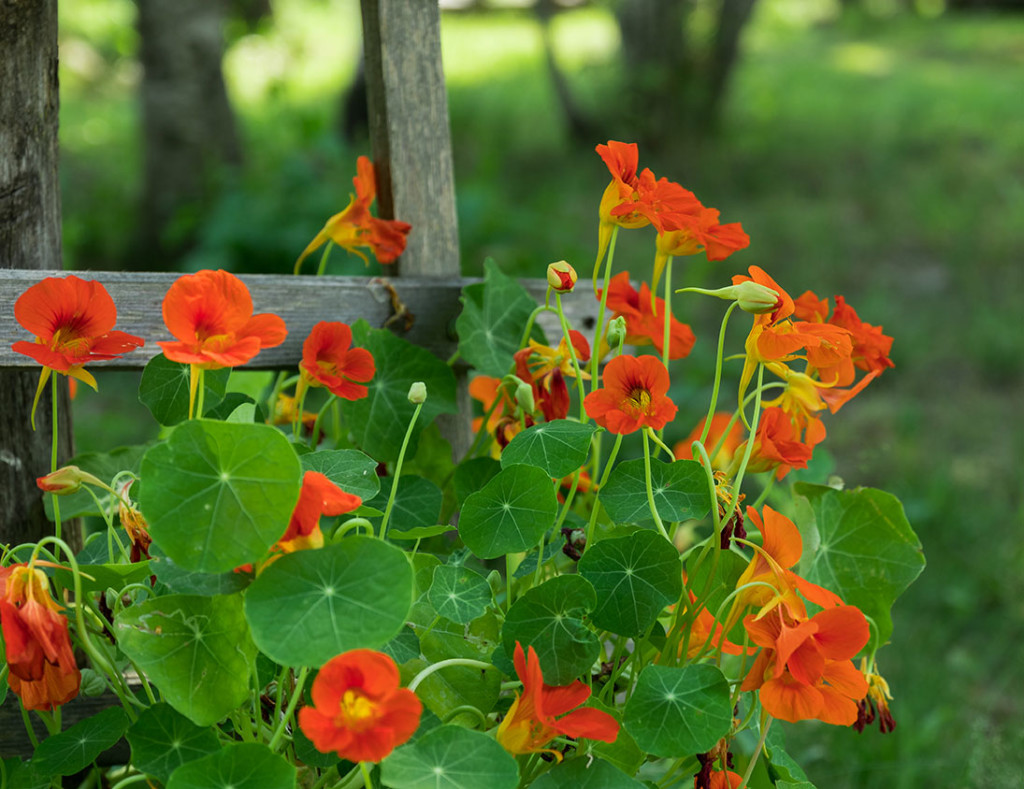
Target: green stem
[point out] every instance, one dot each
(293, 702)
(572, 356)
(529, 324)
(323, 258)
(738, 483)
(595, 357)
(766, 723)
(446, 664)
(604, 478)
(53, 455)
(319, 416)
(662, 445)
(718, 373)
(398, 472)
(667, 336)
(650, 487)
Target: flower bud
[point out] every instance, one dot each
(754, 297)
(66, 480)
(561, 277)
(524, 397)
(418, 393)
(616, 331)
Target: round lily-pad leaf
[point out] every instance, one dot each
(635, 577)
(559, 447)
(163, 739)
(459, 594)
(417, 503)
(586, 773)
(450, 757)
(247, 765)
(351, 470)
(222, 493)
(510, 513)
(74, 749)
(196, 650)
(309, 606)
(680, 491)
(676, 712)
(473, 474)
(164, 389)
(549, 618)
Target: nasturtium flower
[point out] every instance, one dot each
(690, 233)
(779, 444)
(719, 779)
(561, 276)
(67, 480)
(356, 227)
(875, 703)
(634, 395)
(726, 443)
(546, 369)
(328, 360)
(359, 709)
(210, 313)
(533, 720)
(73, 321)
(42, 667)
(645, 318)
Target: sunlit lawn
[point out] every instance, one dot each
(883, 160)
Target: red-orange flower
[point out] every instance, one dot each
(692, 232)
(634, 395)
(645, 318)
(329, 361)
(804, 669)
(546, 368)
(38, 649)
(356, 227)
(502, 423)
(721, 779)
(780, 445)
(210, 314)
(72, 320)
(532, 721)
(359, 709)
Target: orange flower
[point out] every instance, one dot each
(532, 722)
(356, 227)
(693, 232)
(633, 396)
(134, 523)
(723, 779)
(210, 314)
(778, 444)
(719, 422)
(72, 320)
(546, 368)
(502, 424)
(38, 649)
(804, 669)
(645, 318)
(359, 710)
(329, 361)
(878, 696)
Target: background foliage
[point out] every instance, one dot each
(877, 153)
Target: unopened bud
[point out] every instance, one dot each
(418, 393)
(524, 397)
(616, 331)
(561, 276)
(754, 297)
(66, 480)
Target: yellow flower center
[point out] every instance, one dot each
(640, 399)
(358, 712)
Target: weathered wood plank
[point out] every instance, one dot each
(409, 130)
(301, 301)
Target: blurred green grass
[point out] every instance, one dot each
(879, 159)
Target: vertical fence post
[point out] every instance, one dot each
(29, 239)
(412, 150)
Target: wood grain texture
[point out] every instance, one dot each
(300, 301)
(409, 130)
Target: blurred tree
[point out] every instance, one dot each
(189, 129)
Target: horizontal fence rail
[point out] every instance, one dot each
(421, 309)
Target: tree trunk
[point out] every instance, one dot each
(732, 18)
(188, 126)
(29, 239)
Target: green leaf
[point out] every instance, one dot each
(349, 469)
(680, 491)
(379, 421)
(781, 766)
(510, 513)
(25, 775)
(624, 753)
(403, 647)
(549, 618)
(450, 757)
(221, 494)
(104, 466)
(473, 474)
(459, 594)
(309, 606)
(197, 650)
(866, 551)
(236, 766)
(635, 577)
(490, 326)
(417, 503)
(76, 748)
(181, 581)
(559, 447)
(163, 739)
(237, 407)
(100, 577)
(676, 712)
(586, 773)
(419, 532)
(165, 385)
